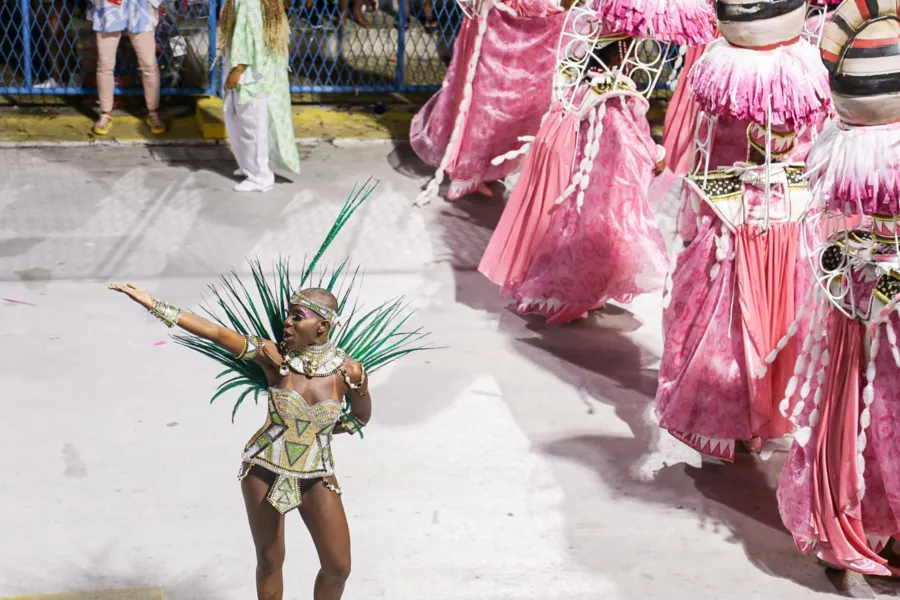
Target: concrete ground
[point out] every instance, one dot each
(518, 463)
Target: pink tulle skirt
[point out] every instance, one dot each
(612, 248)
(527, 215)
(510, 92)
(739, 81)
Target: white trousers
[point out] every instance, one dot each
(248, 134)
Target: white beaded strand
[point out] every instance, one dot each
(527, 142)
(892, 339)
(591, 148)
(811, 347)
(865, 417)
(431, 190)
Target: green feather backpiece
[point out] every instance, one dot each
(375, 337)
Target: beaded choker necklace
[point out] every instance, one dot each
(313, 361)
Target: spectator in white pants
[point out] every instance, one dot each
(254, 34)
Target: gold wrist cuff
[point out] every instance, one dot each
(166, 313)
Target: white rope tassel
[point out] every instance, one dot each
(791, 332)
(528, 141)
(591, 149)
(431, 190)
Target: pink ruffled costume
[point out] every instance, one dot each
(578, 229)
(735, 287)
(496, 90)
(839, 493)
(733, 295)
(840, 487)
(609, 248)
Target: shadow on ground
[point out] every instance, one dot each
(97, 572)
(598, 357)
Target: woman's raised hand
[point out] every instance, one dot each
(139, 295)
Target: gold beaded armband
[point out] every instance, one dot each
(166, 313)
(252, 346)
(356, 387)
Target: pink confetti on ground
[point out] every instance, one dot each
(11, 301)
(159, 343)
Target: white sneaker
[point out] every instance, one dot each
(249, 186)
(47, 84)
(239, 173)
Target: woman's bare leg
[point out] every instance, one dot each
(267, 528)
(323, 513)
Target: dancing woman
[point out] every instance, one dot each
(315, 390)
(286, 464)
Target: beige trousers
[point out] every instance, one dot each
(145, 48)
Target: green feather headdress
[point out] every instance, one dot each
(375, 337)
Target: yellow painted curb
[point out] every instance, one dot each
(147, 593)
(211, 118)
(68, 128)
(326, 123)
(206, 124)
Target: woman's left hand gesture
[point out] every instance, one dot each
(139, 295)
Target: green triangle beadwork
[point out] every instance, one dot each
(301, 426)
(276, 418)
(294, 451)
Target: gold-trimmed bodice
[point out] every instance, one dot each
(739, 200)
(296, 439)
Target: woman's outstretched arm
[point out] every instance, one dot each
(223, 337)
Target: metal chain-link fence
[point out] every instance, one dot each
(49, 47)
(404, 46)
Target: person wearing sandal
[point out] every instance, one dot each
(139, 18)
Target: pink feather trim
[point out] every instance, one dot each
(686, 22)
(736, 81)
(856, 170)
